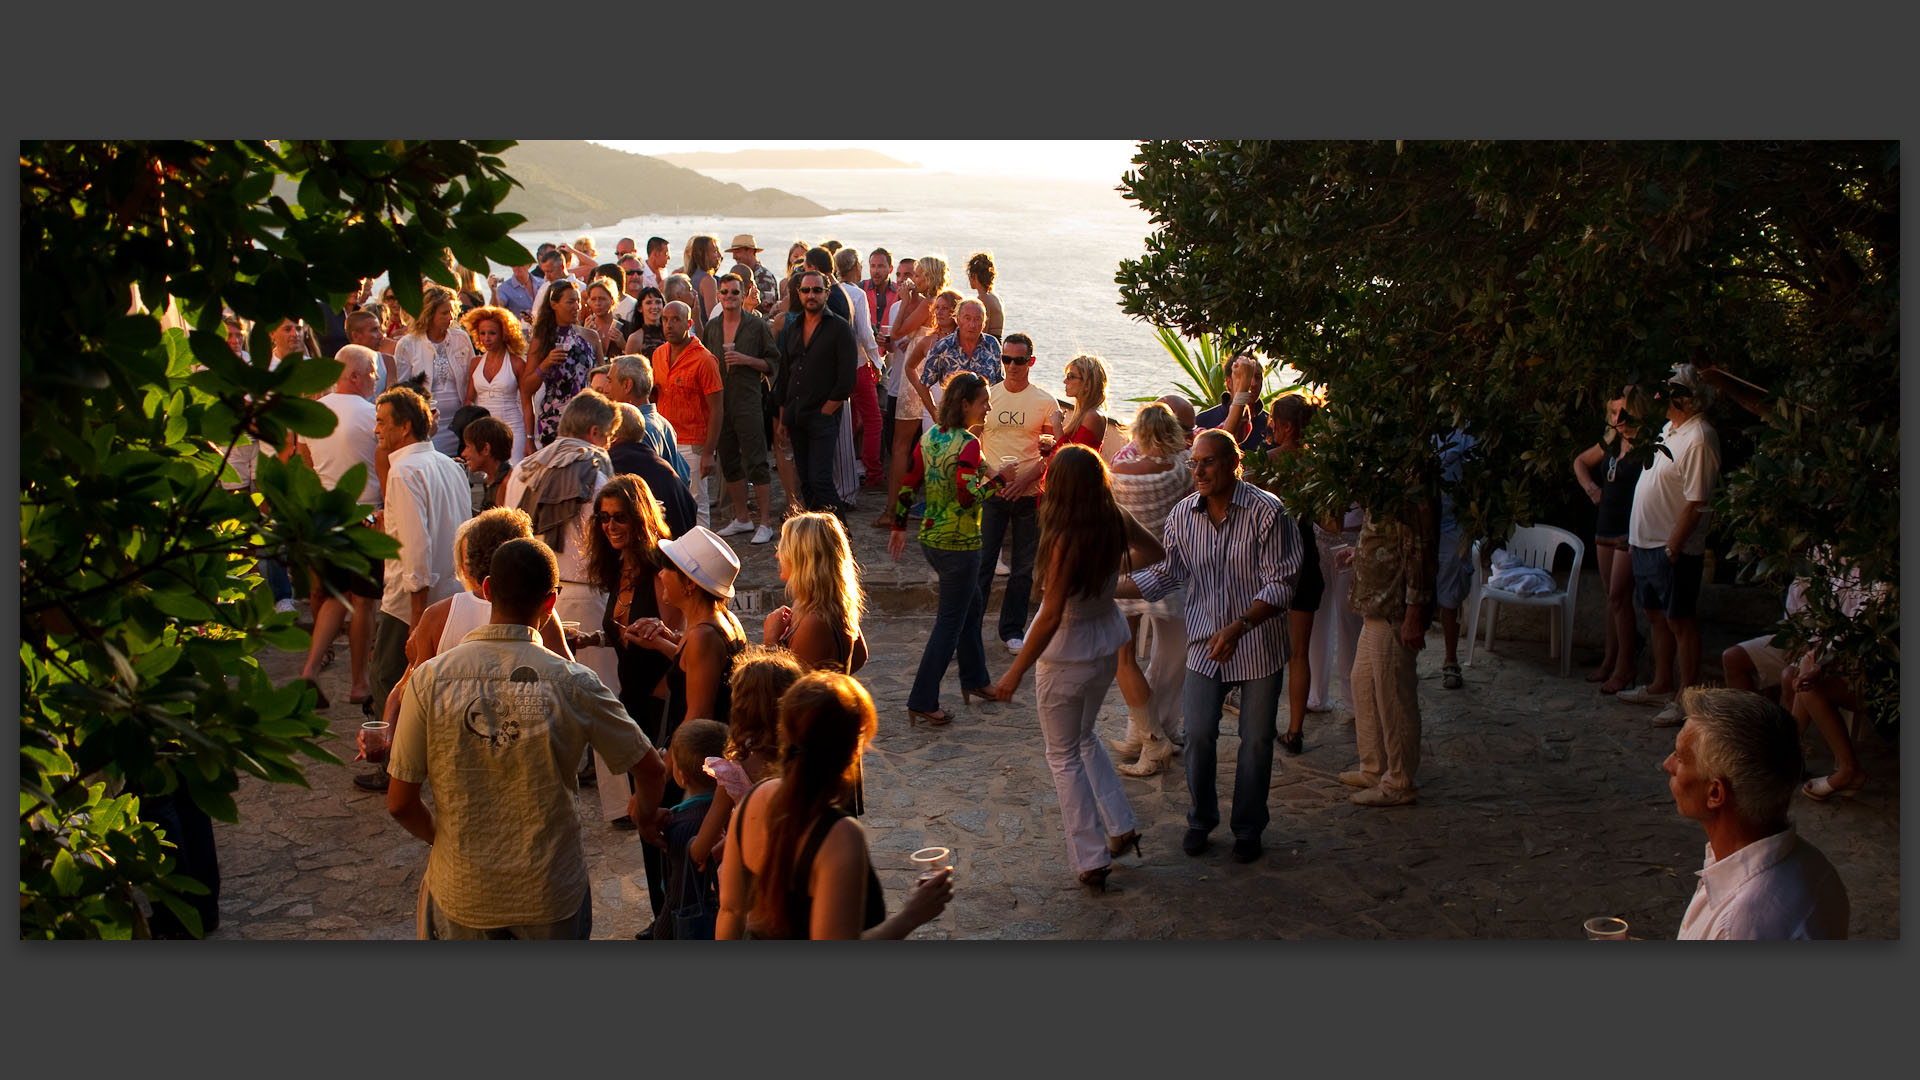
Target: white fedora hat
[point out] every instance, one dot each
(704, 557)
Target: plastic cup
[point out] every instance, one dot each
(1604, 928)
(931, 860)
(379, 736)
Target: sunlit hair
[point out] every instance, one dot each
(692, 743)
(635, 369)
(523, 573)
(1157, 432)
(510, 332)
(980, 269)
(935, 271)
(826, 722)
(1093, 391)
(431, 301)
(1752, 744)
(963, 388)
(479, 537)
(821, 576)
(643, 543)
(953, 299)
(735, 275)
(406, 406)
(762, 674)
(1080, 512)
(546, 325)
(1291, 410)
(703, 253)
(846, 263)
(587, 410)
(797, 252)
(600, 283)
(633, 426)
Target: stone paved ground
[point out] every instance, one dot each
(1541, 803)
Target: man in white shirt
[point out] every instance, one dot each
(1735, 764)
(351, 443)
(654, 273)
(555, 487)
(1017, 414)
(427, 500)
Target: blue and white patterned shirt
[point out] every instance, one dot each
(946, 357)
(1253, 555)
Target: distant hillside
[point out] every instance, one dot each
(788, 159)
(566, 184)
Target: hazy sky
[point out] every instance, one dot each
(1082, 159)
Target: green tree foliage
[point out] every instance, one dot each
(141, 608)
(1514, 287)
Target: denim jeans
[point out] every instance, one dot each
(955, 624)
(1259, 710)
(814, 436)
(278, 579)
(1023, 514)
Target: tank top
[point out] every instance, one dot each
(466, 613)
(799, 903)
(1616, 495)
(640, 668)
(722, 697)
(1091, 627)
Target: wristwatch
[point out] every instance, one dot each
(1672, 555)
(1248, 627)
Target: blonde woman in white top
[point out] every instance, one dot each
(1149, 476)
(444, 352)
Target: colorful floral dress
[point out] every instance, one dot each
(562, 382)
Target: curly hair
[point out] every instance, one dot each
(603, 559)
(980, 269)
(936, 271)
(509, 327)
(821, 576)
(826, 721)
(1080, 512)
(1157, 432)
(479, 537)
(762, 674)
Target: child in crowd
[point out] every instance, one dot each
(693, 893)
(761, 674)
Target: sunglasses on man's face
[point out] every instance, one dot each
(1021, 361)
(812, 289)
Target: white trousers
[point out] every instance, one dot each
(1069, 697)
(1165, 666)
(697, 484)
(1336, 629)
(582, 603)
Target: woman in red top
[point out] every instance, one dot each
(1086, 383)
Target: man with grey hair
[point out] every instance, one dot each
(631, 381)
(1182, 413)
(555, 486)
(1735, 764)
(679, 288)
(1667, 533)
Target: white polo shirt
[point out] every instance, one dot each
(351, 443)
(428, 499)
(1670, 483)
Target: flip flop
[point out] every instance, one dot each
(1821, 788)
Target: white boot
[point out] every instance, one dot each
(1139, 729)
(1154, 756)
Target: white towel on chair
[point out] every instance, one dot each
(1509, 575)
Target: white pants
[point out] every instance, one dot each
(1069, 697)
(582, 603)
(1166, 670)
(697, 484)
(1336, 629)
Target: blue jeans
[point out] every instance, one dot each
(1023, 514)
(1259, 711)
(956, 623)
(278, 579)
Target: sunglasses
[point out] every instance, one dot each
(729, 292)
(1021, 361)
(812, 289)
(601, 517)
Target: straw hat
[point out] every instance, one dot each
(744, 240)
(704, 557)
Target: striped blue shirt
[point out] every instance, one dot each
(1253, 555)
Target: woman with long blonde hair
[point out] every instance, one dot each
(1086, 540)
(1149, 477)
(1086, 424)
(821, 622)
(796, 863)
(702, 259)
(435, 346)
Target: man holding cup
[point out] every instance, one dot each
(744, 343)
(1018, 418)
(1734, 768)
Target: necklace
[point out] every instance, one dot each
(1613, 463)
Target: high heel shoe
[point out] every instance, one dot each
(935, 718)
(984, 693)
(1096, 879)
(1117, 845)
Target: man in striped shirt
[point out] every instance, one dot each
(1238, 554)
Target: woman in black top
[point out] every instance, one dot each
(696, 581)
(796, 865)
(1612, 493)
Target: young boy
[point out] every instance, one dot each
(692, 895)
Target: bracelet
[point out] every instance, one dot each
(1243, 397)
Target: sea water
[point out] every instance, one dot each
(1056, 245)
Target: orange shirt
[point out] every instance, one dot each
(684, 389)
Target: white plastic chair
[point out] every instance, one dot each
(1535, 546)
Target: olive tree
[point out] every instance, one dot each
(142, 613)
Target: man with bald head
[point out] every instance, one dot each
(688, 387)
(1182, 412)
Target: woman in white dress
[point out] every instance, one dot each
(499, 363)
(444, 352)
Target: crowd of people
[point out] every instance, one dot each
(555, 449)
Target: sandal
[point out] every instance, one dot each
(1450, 676)
(1292, 742)
(1821, 788)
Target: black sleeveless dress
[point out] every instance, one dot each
(799, 904)
(641, 668)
